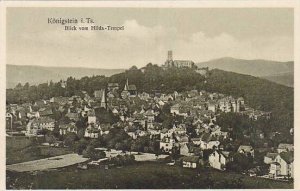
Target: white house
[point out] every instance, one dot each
(185, 150)
(190, 161)
(212, 106)
(166, 144)
(67, 128)
(91, 119)
(209, 145)
(247, 150)
(196, 141)
(283, 166)
(93, 131)
(219, 159)
(175, 109)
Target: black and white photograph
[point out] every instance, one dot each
(159, 97)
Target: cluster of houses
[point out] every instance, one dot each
(138, 114)
(280, 163)
(214, 103)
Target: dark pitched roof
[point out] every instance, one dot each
(271, 155)
(44, 120)
(131, 88)
(287, 156)
(72, 115)
(164, 130)
(206, 137)
(45, 111)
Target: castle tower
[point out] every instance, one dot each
(170, 55)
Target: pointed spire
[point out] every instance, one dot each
(103, 99)
(126, 85)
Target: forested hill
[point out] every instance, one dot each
(258, 93)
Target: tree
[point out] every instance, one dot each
(80, 133)
(50, 138)
(80, 146)
(70, 139)
(240, 163)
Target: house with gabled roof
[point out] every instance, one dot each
(93, 131)
(270, 158)
(246, 149)
(283, 165)
(175, 109)
(167, 144)
(67, 128)
(218, 159)
(284, 147)
(43, 112)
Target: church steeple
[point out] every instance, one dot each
(103, 99)
(126, 85)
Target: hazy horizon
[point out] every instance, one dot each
(198, 34)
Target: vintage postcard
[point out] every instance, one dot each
(149, 95)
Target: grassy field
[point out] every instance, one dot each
(22, 149)
(143, 175)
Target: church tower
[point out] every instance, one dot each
(103, 100)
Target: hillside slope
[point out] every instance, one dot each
(37, 74)
(270, 70)
(286, 79)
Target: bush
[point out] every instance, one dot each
(120, 160)
(92, 153)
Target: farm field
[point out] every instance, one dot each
(23, 149)
(48, 163)
(142, 175)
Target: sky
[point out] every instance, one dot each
(198, 34)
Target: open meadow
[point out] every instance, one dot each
(141, 175)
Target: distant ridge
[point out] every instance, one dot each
(286, 78)
(39, 74)
(279, 72)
